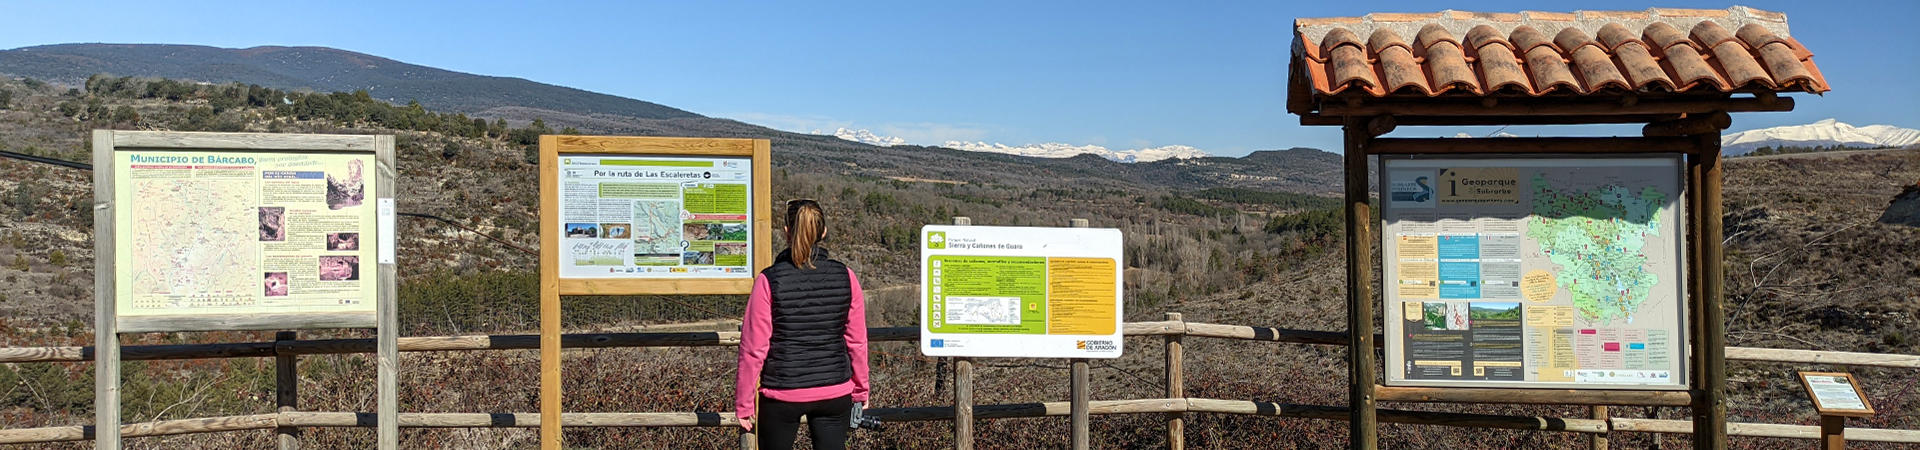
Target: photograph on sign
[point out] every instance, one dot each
(1534, 272)
(210, 233)
(1020, 292)
(645, 216)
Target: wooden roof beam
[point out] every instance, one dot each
(1416, 121)
(1554, 107)
(1709, 123)
(1615, 145)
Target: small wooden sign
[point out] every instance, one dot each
(1836, 394)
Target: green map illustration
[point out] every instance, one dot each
(1596, 237)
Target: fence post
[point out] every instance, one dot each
(1176, 383)
(1082, 433)
(286, 389)
(962, 387)
(1599, 441)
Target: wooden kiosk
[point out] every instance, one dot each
(197, 231)
(645, 216)
(1677, 72)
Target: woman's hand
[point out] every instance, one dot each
(746, 423)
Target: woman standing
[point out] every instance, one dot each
(803, 341)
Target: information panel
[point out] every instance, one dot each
(644, 216)
(1836, 394)
(1549, 272)
(237, 233)
(1020, 292)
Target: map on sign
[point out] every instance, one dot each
(1597, 238)
(194, 245)
(1534, 272)
(656, 228)
(225, 232)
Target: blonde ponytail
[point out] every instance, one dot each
(806, 225)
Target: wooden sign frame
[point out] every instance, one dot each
(552, 285)
(108, 326)
(1681, 276)
(1851, 381)
(1705, 322)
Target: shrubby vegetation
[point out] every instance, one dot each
(1285, 200)
(1793, 149)
(1181, 205)
(1319, 224)
(232, 107)
(1226, 255)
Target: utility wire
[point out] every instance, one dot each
(89, 167)
(46, 160)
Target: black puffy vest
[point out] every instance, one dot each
(809, 344)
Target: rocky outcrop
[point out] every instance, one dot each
(1905, 208)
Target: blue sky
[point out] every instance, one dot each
(1117, 74)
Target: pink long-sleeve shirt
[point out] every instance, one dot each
(756, 330)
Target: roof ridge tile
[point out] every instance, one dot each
(1547, 53)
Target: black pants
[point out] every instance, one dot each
(779, 422)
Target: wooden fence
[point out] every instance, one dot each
(288, 420)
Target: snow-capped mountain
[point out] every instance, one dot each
(1823, 133)
(1047, 150)
(1059, 150)
(867, 137)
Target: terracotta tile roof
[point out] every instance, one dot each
(1530, 54)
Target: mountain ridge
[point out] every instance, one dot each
(1822, 133)
(320, 69)
(520, 101)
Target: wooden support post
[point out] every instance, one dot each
(549, 299)
(286, 388)
(963, 404)
(1833, 432)
(1710, 415)
(1078, 408)
(962, 387)
(1694, 283)
(749, 440)
(387, 312)
(1709, 425)
(1598, 441)
(106, 337)
(1176, 384)
(1362, 430)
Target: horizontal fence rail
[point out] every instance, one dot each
(267, 349)
(287, 348)
(938, 413)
